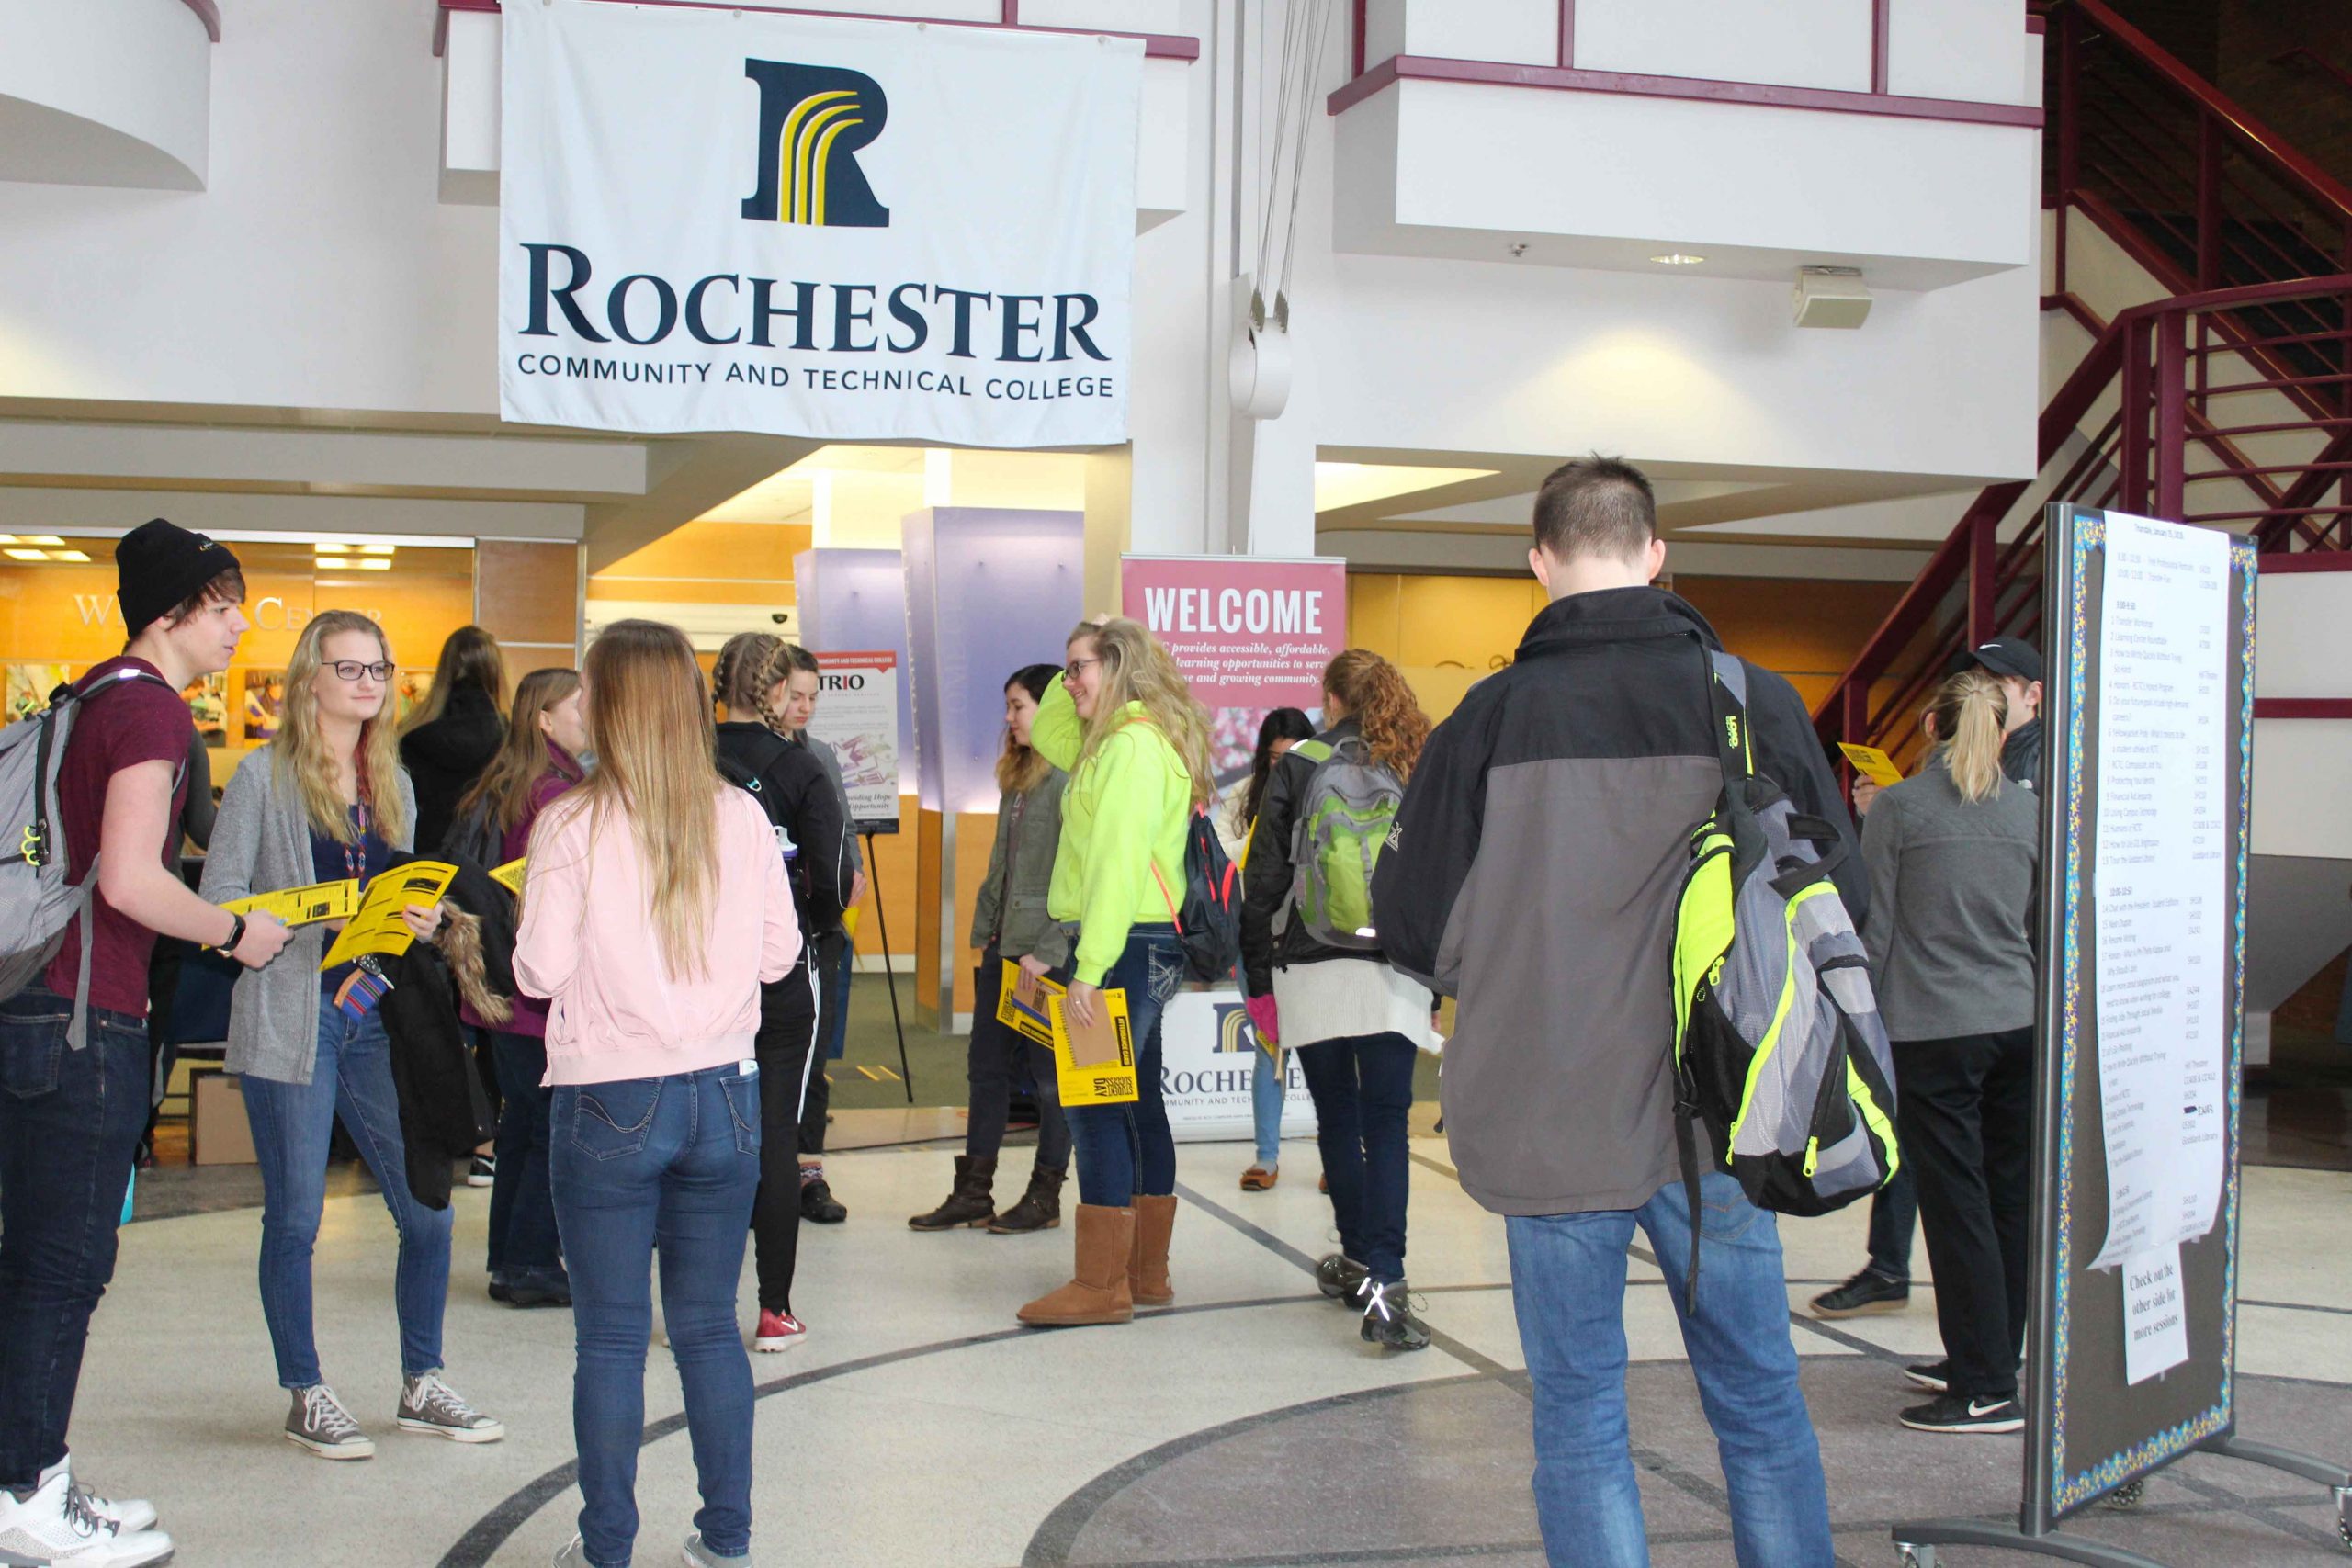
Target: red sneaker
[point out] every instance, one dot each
(778, 1331)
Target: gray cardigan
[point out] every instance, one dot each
(1952, 894)
(261, 843)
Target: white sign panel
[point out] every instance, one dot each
(2161, 837)
(717, 219)
(857, 716)
(1207, 1062)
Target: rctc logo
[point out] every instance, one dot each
(813, 118)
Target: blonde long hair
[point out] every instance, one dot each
(1971, 716)
(657, 767)
(301, 764)
(1138, 668)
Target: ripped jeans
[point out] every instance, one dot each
(1124, 1150)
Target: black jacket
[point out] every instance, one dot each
(1533, 874)
(1267, 876)
(804, 803)
(446, 757)
(2021, 754)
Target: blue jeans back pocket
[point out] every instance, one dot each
(1165, 969)
(614, 1119)
(742, 1094)
(32, 1050)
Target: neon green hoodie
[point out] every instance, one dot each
(1124, 811)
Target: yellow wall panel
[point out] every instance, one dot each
(1466, 621)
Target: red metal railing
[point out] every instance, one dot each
(2200, 430)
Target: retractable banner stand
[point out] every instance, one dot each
(802, 225)
(1250, 634)
(2131, 1322)
(857, 716)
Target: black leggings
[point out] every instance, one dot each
(997, 1052)
(785, 1046)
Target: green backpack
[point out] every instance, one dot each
(1342, 824)
(1779, 1050)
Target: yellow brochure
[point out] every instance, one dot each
(1095, 1065)
(302, 906)
(1021, 1004)
(1872, 764)
(849, 921)
(378, 927)
(510, 875)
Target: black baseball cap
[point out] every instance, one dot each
(2003, 656)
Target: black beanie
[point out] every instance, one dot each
(162, 566)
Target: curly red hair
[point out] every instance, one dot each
(1375, 695)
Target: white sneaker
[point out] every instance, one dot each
(57, 1527)
(130, 1513)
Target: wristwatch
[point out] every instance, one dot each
(236, 935)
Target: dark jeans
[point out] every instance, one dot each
(521, 1207)
(834, 957)
(787, 1047)
(293, 1124)
(1363, 1091)
(1894, 1212)
(998, 1054)
(672, 1161)
(69, 1124)
(1966, 1125)
(1126, 1150)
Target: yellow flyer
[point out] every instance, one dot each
(510, 875)
(1095, 1065)
(378, 927)
(1872, 764)
(302, 906)
(1021, 1004)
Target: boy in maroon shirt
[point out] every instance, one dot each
(71, 1110)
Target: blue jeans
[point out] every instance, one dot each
(522, 1209)
(292, 1124)
(1894, 1213)
(1126, 1150)
(1363, 1091)
(1567, 1278)
(69, 1122)
(1266, 1105)
(674, 1160)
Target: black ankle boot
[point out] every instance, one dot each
(971, 1204)
(1040, 1208)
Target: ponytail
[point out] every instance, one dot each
(1970, 715)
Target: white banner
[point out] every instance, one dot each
(1208, 1056)
(857, 716)
(800, 225)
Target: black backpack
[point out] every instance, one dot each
(1208, 922)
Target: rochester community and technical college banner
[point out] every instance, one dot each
(717, 219)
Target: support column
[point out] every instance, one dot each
(532, 597)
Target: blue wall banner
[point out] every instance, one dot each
(812, 226)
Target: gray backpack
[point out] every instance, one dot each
(36, 901)
(1342, 824)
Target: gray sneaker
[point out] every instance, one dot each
(428, 1404)
(319, 1421)
(575, 1555)
(701, 1556)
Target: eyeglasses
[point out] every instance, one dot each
(1077, 667)
(351, 670)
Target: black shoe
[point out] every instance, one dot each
(1960, 1412)
(539, 1287)
(1388, 1319)
(1341, 1277)
(483, 1173)
(970, 1206)
(1933, 1376)
(817, 1205)
(1040, 1208)
(1866, 1292)
(499, 1289)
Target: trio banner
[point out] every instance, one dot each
(857, 716)
(803, 225)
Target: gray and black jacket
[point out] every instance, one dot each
(1533, 874)
(1011, 914)
(1267, 876)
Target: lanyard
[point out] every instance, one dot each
(354, 853)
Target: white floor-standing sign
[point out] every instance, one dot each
(1207, 1058)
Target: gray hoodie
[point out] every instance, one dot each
(1950, 920)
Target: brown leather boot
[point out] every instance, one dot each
(1040, 1208)
(971, 1204)
(1098, 1292)
(1147, 1279)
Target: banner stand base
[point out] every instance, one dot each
(1918, 1541)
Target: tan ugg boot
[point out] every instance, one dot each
(1147, 1279)
(1098, 1293)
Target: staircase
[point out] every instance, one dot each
(2210, 266)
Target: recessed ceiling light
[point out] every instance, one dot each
(68, 555)
(43, 539)
(325, 547)
(1678, 258)
(377, 565)
(19, 553)
(376, 549)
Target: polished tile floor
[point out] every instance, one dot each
(1245, 1426)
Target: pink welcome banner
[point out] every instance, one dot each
(1250, 634)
